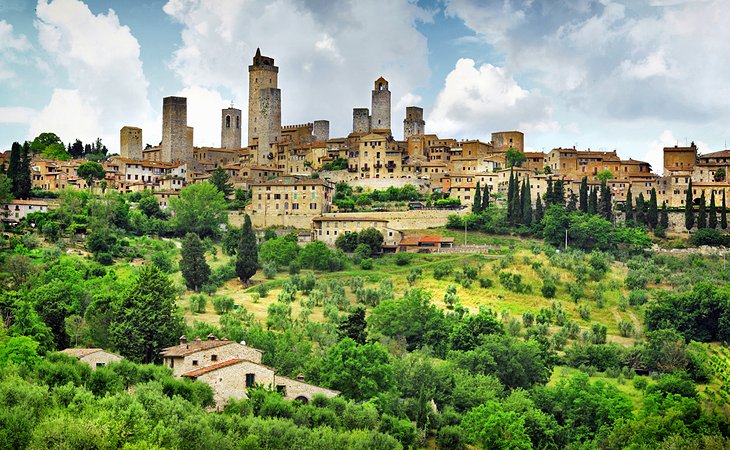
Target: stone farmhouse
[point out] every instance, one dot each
(230, 368)
(94, 357)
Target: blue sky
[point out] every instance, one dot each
(632, 76)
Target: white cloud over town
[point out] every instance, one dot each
(329, 54)
(99, 61)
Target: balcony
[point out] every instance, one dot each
(352, 169)
(365, 169)
(378, 165)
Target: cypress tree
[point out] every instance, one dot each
(195, 270)
(538, 209)
(24, 180)
(14, 167)
(652, 217)
(526, 204)
(583, 200)
(593, 201)
(629, 207)
(702, 213)
(559, 193)
(485, 197)
(605, 200)
(689, 215)
(247, 256)
(549, 192)
(640, 210)
(510, 196)
(723, 213)
(517, 205)
(664, 216)
(476, 207)
(572, 204)
(712, 219)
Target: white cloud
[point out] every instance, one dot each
(16, 114)
(329, 53)
(107, 86)
(12, 47)
(204, 107)
(664, 59)
(478, 100)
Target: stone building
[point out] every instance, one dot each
(413, 124)
(17, 210)
(504, 140)
(231, 128)
(231, 368)
(130, 142)
(380, 120)
(361, 120)
(176, 135)
(94, 357)
(289, 196)
(327, 229)
(264, 106)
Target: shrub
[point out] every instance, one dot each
(270, 270)
(708, 236)
(366, 264)
(638, 297)
(528, 318)
(294, 268)
(262, 290)
(222, 304)
(403, 258)
(441, 271)
(584, 311)
(549, 288)
(197, 303)
(640, 383)
(451, 298)
(451, 437)
(485, 283)
(513, 282)
(626, 328)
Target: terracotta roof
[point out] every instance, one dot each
(206, 369)
(292, 181)
(719, 154)
(410, 240)
(81, 352)
(191, 347)
(349, 219)
(29, 202)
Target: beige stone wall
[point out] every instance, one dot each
(130, 142)
(205, 358)
(100, 359)
(230, 382)
(295, 389)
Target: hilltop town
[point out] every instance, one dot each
(280, 161)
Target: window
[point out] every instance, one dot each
(100, 364)
(280, 388)
(214, 357)
(250, 379)
(228, 121)
(195, 362)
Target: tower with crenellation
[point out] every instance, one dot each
(413, 124)
(264, 106)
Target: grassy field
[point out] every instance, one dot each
(514, 258)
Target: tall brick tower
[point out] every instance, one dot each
(413, 124)
(264, 106)
(380, 119)
(130, 143)
(175, 144)
(231, 128)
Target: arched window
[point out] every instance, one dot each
(238, 121)
(228, 121)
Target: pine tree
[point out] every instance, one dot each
(584, 195)
(689, 215)
(220, 179)
(247, 256)
(712, 219)
(538, 209)
(723, 213)
(640, 210)
(485, 197)
(548, 198)
(476, 207)
(526, 204)
(702, 213)
(195, 270)
(652, 216)
(593, 201)
(629, 208)
(664, 216)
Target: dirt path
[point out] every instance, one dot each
(637, 324)
(616, 315)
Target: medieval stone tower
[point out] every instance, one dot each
(380, 119)
(360, 120)
(231, 128)
(321, 130)
(130, 143)
(176, 145)
(413, 124)
(264, 106)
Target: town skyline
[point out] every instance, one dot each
(470, 78)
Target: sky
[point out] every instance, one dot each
(634, 76)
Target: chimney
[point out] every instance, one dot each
(300, 377)
(183, 339)
(211, 337)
